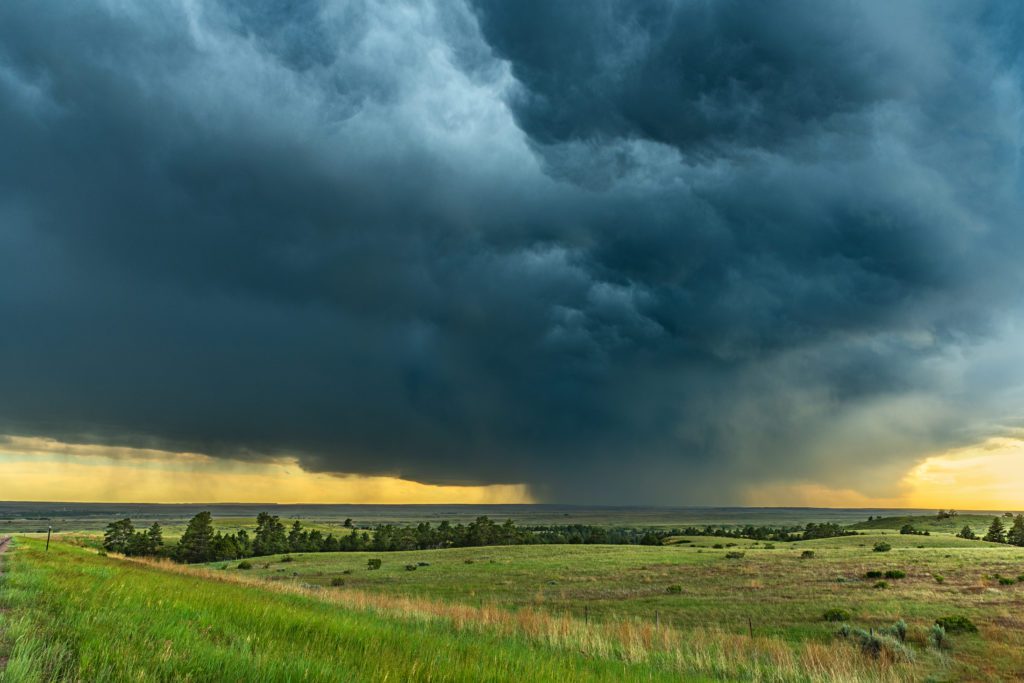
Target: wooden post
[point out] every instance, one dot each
(49, 530)
(586, 614)
(657, 619)
(750, 625)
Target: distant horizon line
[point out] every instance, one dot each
(496, 505)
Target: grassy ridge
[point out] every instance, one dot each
(978, 522)
(781, 594)
(82, 617)
(74, 615)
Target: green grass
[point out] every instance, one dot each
(70, 614)
(977, 522)
(513, 613)
(774, 590)
(82, 617)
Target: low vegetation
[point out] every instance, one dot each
(78, 616)
(701, 607)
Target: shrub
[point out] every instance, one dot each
(895, 574)
(881, 584)
(468, 560)
(873, 574)
(676, 588)
(1021, 578)
(245, 564)
(769, 546)
(807, 555)
(939, 578)
(1006, 581)
(287, 558)
(957, 624)
(423, 564)
(410, 567)
(347, 571)
(337, 581)
(937, 636)
(734, 555)
(101, 553)
(882, 547)
(898, 630)
(836, 614)
(874, 645)
(373, 563)
(718, 546)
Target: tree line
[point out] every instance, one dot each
(791, 534)
(200, 542)
(997, 532)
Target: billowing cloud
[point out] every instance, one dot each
(616, 251)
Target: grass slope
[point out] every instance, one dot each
(774, 590)
(73, 615)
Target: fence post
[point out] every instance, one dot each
(586, 614)
(750, 625)
(49, 530)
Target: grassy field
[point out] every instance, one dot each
(73, 615)
(572, 612)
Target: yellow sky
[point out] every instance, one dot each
(986, 476)
(43, 469)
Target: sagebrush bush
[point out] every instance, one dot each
(957, 624)
(873, 574)
(245, 564)
(937, 636)
(410, 567)
(287, 558)
(675, 588)
(882, 547)
(337, 581)
(895, 574)
(373, 563)
(734, 555)
(836, 614)
(807, 555)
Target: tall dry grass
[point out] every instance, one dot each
(707, 651)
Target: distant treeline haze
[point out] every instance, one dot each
(201, 543)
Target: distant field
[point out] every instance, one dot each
(35, 517)
(977, 521)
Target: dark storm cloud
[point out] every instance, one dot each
(621, 251)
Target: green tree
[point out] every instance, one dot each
(270, 536)
(197, 543)
(996, 533)
(155, 540)
(118, 535)
(1016, 533)
(968, 533)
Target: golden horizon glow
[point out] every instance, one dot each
(984, 476)
(37, 469)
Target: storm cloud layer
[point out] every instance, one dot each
(620, 251)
